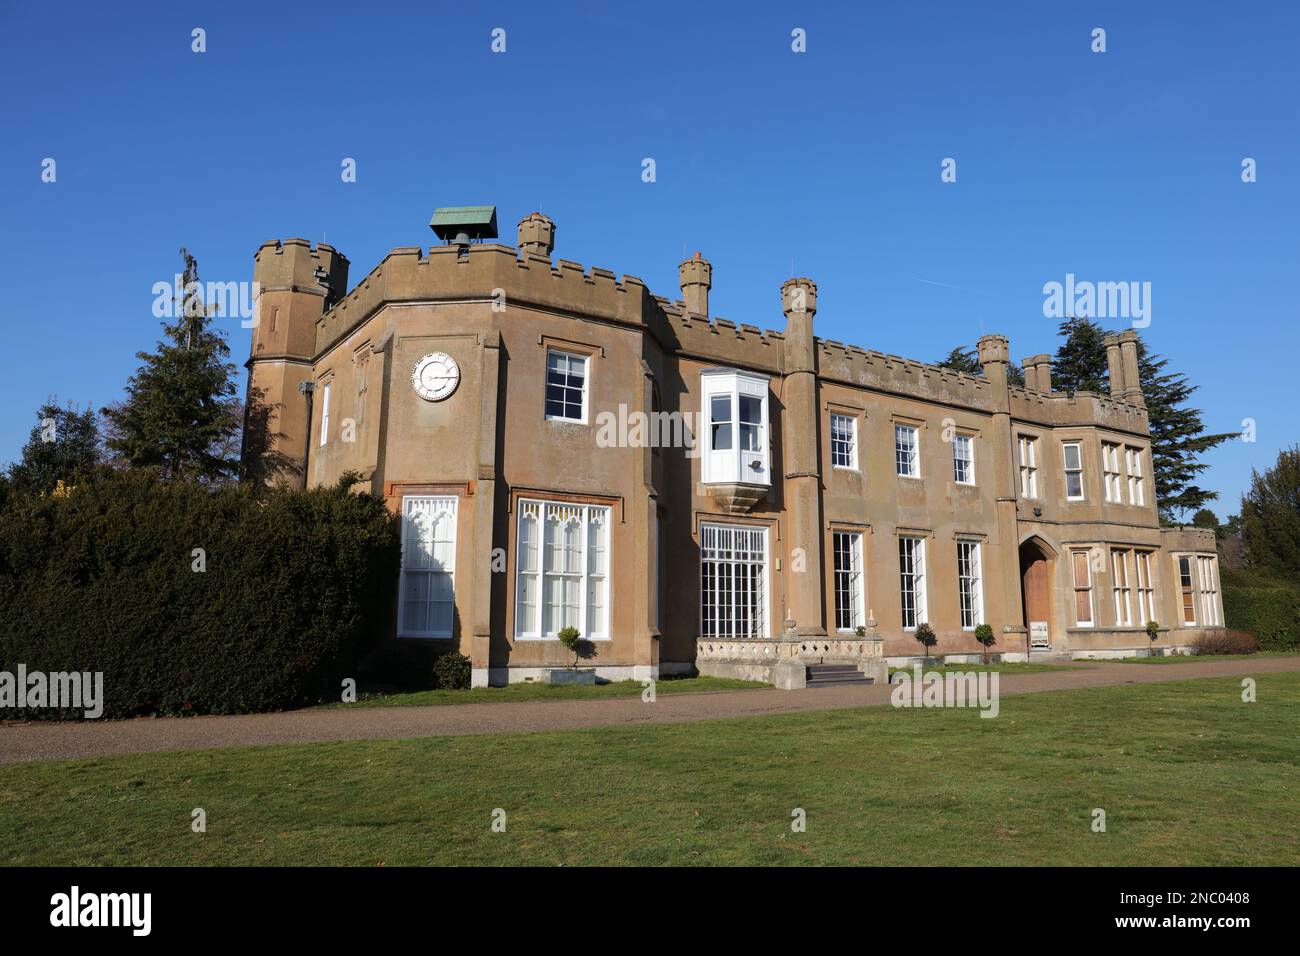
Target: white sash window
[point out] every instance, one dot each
(848, 580)
(428, 593)
(970, 584)
(911, 573)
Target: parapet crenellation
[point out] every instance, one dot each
(1081, 408)
(486, 272)
(865, 368)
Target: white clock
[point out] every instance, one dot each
(435, 376)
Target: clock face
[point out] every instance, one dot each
(435, 376)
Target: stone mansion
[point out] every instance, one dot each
(765, 499)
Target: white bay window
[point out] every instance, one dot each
(736, 427)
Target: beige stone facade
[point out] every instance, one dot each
(527, 416)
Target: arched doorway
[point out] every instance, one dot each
(1036, 591)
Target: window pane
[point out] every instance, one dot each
(720, 418)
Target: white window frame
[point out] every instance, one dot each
(1068, 471)
(1122, 585)
(1028, 464)
(1208, 580)
(1146, 591)
(907, 450)
(568, 371)
(849, 582)
(736, 464)
(1110, 472)
(1185, 565)
(539, 569)
(435, 509)
(960, 439)
(1084, 586)
(324, 413)
(844, 446)
(970, 583)
(911, 554)
(730, 554)
(1133, 466)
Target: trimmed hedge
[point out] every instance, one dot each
(1264, 606)
(297, 585)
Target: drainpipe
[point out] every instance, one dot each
(307, 388)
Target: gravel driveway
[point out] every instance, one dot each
(59, 741)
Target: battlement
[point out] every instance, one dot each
(721, 340)
(527, 276)
(293, 265)
(865, 368)
(1060, 409)
(1188, 539)
(487, 272)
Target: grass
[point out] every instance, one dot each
(1186, 772)
(1191, 658)
(517, 692)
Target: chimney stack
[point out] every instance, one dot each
(1031, 373)
(1128, 347)
(1042, 372)
(696, 276)
(1115, 366)
(537, 235)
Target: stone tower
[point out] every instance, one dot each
(294, 285)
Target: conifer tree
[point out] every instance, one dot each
(64, 446)
(1270, 517)
(180, 410)
(1080, 362)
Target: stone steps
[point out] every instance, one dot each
(835, 675)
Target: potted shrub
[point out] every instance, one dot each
(984, 634)
(571, 638)
(925, 634)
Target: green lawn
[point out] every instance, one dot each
(1191, 658)
(1186, 772)
(515, 692)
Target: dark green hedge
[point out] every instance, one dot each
(297, 586)
(1264, 606)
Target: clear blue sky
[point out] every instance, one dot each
(1124, 165)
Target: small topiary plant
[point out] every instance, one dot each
(571, 638)
(925, 634)
(1153, 630)
(451, 672)
(984, 634)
